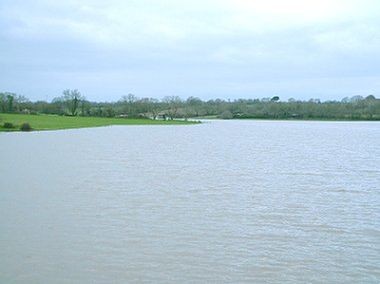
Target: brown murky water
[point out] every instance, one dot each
(222, 202)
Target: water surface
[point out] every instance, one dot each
(221, 202)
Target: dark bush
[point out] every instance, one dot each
(25, 127)
(8, 125)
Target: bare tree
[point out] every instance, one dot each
(154, 107)
(71, 99)
(173, 103)
(129, 102)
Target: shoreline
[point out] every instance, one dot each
(44, 122)
(291, 119)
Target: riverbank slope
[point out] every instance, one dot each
(55, 122)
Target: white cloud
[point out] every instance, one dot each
(138, 22)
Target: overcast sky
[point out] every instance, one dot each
(325, 49)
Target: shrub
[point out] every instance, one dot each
(25, 127)
(8, 125)
(226, 115)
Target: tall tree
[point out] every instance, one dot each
(3, 102)
(10, 99)
(194, 105)
(128, 103)
(71, 99)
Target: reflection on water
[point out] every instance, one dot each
(225, 201)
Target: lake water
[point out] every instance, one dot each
(220, 202)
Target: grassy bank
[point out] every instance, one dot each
(55, 122)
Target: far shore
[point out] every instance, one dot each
(213, 117)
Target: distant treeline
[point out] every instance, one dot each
(73, 103)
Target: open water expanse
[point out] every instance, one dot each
(220, 202)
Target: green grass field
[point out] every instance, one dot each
(54, 122)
